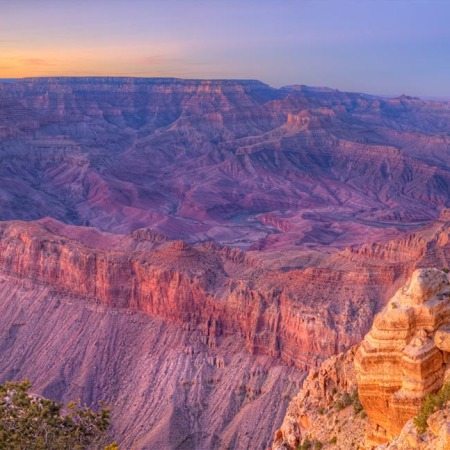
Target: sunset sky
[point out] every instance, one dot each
(386, 47)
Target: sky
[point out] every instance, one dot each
(387, 47)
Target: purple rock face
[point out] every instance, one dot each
(237, 162)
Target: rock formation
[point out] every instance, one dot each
(403, 358)
(237, 162)
(325, 410)
(218, 290)
(405, 355)
(168, 386)
(436, 437)
(173, 228)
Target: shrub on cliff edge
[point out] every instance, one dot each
(28, 421)
(431, 404)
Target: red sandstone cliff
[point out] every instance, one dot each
(384, 380)
(406, 354)
(217, 290)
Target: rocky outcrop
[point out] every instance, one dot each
(436, 437)
(405, 355)
(368, 396)
(326, 411)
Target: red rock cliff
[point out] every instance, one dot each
(405, 356)
(217, 290)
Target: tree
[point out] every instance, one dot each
(29, 421)
(431, 404)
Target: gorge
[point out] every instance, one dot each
(188, 250)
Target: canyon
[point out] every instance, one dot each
(187, 250)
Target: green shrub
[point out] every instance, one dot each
(446, 270)
(305, 445)
(28, 421)
(431, 404)
(357, 406)
(349, 399)
(333, 440)
(310, 445)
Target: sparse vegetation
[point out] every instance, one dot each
(357, 406)
(333, 440)
(112, 446)
(28, 421)
(446, 270)
(342, 402)
(349, 399)
(431, 404)
(308, 444)
(305, 445)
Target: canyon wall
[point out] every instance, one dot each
(167, 386)
(233, 161)
(206, 287)
(216, 290)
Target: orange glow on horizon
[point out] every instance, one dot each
(119, 61)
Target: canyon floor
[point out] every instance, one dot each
(187, 250)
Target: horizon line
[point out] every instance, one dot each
(247, 80)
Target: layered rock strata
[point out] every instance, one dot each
(216, 290)
(271, 300)
(234, 161)
(167, 386)
(405, 355)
